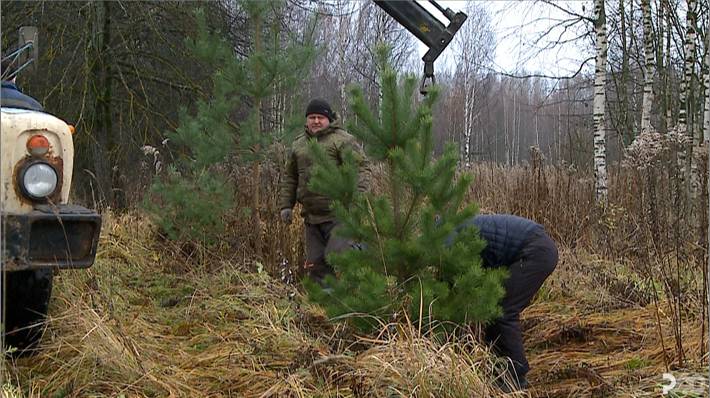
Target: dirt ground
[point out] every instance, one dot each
(589, 338)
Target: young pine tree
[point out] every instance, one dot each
(190, 201)
(410, 257)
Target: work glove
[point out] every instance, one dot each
(287, 215)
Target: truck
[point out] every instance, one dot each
(42, 230)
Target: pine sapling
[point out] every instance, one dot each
(408, 256)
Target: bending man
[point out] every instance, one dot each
(530, 255)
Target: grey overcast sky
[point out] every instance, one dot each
(516, 25)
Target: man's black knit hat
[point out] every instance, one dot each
(320, 107)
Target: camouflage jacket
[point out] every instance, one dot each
(294, 187)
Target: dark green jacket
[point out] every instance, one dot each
(294, 187)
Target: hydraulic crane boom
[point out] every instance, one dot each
(422, 24)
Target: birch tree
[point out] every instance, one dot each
(625, 122)
(685, 115)
(649, 67)
(706, 79)
(599, 108)
(694, 134)
(474, 48)
(661, 66)
(706, 116)
(706, 132)
(668, 66)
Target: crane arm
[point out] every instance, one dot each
(427, 28)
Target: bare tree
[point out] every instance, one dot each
(347, 35)
(118, 73)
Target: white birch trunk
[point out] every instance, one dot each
(514, 144)
(468, 109)
(692, 132)
(537, 130)
(559, 133)
(506, 118)
(649, 67)
(684, 157)
(599, 108)
(669, 34)
(517, 134)
(472, 116)
(706, 132)
(706, 79)
(343, 34)
(473, 112)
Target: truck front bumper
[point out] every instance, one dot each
(64, 236)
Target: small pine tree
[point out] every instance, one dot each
(410, 258)
(190, 201)
(190, 208)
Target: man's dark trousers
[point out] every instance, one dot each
(537, 260)
(321, 240)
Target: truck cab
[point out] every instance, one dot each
(42, 231)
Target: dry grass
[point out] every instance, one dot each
(133, 326)
(588, 337)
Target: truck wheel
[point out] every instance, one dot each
(26, 301)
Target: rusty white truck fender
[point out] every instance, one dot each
(18, 125)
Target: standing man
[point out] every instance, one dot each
(530, 255)
(324, 127)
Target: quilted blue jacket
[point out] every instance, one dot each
(505, 235)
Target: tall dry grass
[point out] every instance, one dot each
(147, 321)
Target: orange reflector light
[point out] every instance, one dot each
(72, 129)
(38, 145)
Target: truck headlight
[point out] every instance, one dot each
(39, 180)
